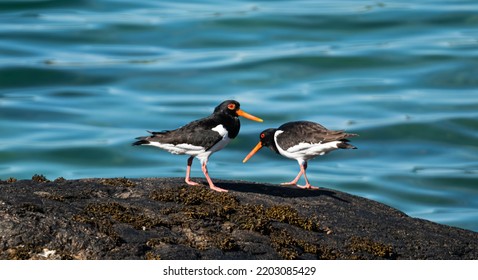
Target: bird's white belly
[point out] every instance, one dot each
(306, 151)
(179, 149)
(200, 152)
(203, 157)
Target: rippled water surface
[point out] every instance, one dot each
(79, 80)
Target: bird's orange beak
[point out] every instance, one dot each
(248, 116)
(256, 148)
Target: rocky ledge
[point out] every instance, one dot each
(162, 218)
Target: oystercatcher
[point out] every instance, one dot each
(302, 140)
(202, 137)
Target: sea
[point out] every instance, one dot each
(79, 80)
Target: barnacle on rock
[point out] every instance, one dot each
(39, 178)
(118, 182)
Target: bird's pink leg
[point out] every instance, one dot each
(211, 184)
(293, 182)
(188, 172)
(307, 185)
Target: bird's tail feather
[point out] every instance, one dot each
(345, 145)
(158, 132)
(143, 141)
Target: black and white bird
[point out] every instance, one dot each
(302, 141)
(201, 138)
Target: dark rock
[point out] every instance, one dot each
(121, 218)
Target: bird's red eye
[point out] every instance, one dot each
(231, 106)
(263, 135)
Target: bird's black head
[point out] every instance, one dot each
(228, 107)
(266, 139)
(233, 108)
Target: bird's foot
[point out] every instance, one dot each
(308, 186)
(218, 189)
(191, 183)
(291, 183)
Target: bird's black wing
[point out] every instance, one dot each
(197, 133)
(308, 132)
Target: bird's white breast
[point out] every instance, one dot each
(224, 141)
(220, 129)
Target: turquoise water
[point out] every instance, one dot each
(79, 80)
